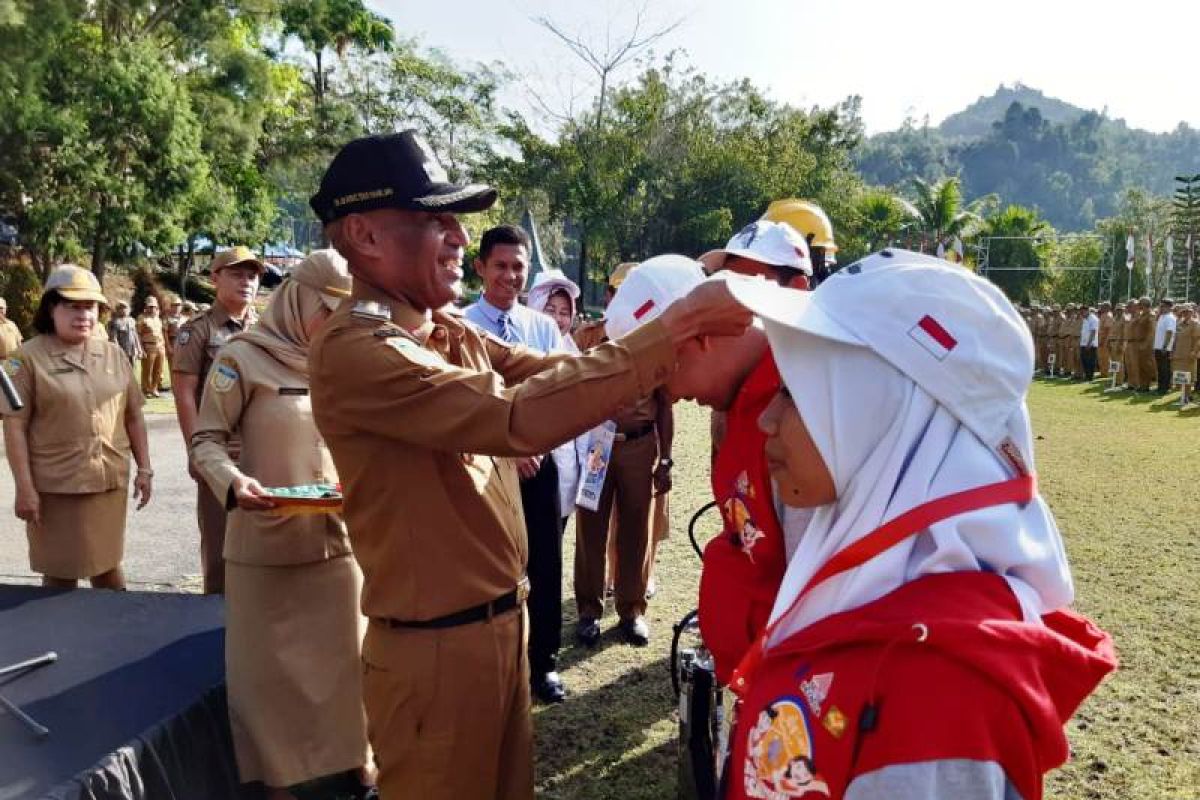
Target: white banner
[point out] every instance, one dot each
(1129, 252)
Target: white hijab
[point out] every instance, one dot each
(890, 447)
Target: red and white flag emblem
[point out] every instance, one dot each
(930, 334)
(644, 309)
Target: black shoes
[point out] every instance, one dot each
(548, 688)
(587, 631)
(636, 631)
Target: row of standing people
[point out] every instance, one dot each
(148, 340)
(1146, 344)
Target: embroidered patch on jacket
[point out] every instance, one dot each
(184, 336)
(815, 690)
(737, 513)
(12, 366)
(834, 722)
(224, 376)
(779, 754)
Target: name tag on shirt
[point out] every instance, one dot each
(61, 371)
(293, 391)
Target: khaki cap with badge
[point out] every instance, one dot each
(235, 257)
(75, 283)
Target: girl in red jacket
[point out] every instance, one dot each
(920, 644)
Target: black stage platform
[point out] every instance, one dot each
(135, 702)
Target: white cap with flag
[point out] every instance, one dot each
(649, 289)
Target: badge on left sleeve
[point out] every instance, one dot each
(12, 366)
(224, 376)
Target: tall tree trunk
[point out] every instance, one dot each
(99, 241)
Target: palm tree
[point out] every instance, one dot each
(941, 215)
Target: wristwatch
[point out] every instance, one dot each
(667, 462)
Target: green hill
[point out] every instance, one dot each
(1069, 163)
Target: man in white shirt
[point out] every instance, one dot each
(1089, 336)
(1164, 344)
(503, 264)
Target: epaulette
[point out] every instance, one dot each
(370, 309)
(388, 331)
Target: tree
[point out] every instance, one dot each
(941, 213)
(336, 25)
(1019, 252)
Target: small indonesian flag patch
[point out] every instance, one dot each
(644, 309)
(930, 334)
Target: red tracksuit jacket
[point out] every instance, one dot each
(937, 690)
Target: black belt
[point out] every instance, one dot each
(479, 613)
(636, 433)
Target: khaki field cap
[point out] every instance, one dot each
(75, 283)
(235, 256)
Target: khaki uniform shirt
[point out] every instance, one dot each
(1106, 329)
(171, 325)
(1143, 331)
(199, 340)
(1076, 331)
(420, 415)
(75, 414)
(253, 397)
(10, 338)
(150, 329)
(1116, 337)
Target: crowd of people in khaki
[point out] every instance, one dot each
(1141, 347)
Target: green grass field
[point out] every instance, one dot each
(1120, 473)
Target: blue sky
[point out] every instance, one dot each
(923, 57)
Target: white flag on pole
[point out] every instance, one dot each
(1189, 252)
(1170, 253)
(1149, 258)
(1129, 248)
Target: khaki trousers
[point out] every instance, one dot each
(627, 486)
(448, 710)
(1147, 368)
(210, 515)
(1102, 358)
(1133, 373)
(152, 368)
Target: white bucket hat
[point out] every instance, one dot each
(545, 283)
(951, 332)
(773, 243)
(649, 289)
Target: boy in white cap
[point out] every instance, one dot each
(920, 645)
(737, 378)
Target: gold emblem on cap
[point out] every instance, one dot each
(374, 194)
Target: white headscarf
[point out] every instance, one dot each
(891, 447)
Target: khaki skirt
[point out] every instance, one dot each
(293, 673)
(80, 535)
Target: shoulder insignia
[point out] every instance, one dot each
(371, 310)
(224, 375)
(413, 351)
(184, 336)
(388, 331)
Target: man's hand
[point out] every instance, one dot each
(528, 467)
(142, 488)
(708, 310)
(250, 494)
(662, 478)
(28, 505)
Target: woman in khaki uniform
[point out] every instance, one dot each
(1183, 357)
(69, 446)
(293, 628)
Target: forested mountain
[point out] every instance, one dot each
(1069, 163)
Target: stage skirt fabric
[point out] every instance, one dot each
(293, 636)
(80, 535)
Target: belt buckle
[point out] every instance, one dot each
(522, 590)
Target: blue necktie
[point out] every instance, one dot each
(508, 331)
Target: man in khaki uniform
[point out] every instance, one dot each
(172, 322)
(1133, 372)
(423, 414)
(10, 334)
(1037, 326)
(1116, 344)
(1144, 338)
(1106, 328)
(1053, 322)
(154, 347)
(235, 275)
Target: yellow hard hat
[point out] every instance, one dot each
(807, 218)
(620, 274)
